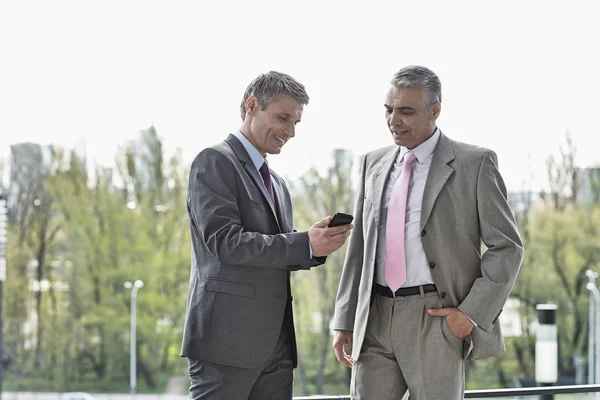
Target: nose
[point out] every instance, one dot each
(395, 118)
(290, 132)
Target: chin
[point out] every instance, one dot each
(399, 141)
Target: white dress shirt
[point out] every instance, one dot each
(417, 267)
(255, 156)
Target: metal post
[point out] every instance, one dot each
(591, 336)
(546, 348)
(596, 293)
(591, 326)
(132, 334)
(594, 328)
(579, 363)
(3, 236)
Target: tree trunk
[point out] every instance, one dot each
(67, 354)
(53, 349)
(301, 373)
(101, 367)
(41, 259)
(147, 374)
(165, 359)
(326, 337)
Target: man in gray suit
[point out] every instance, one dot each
(418, 294)
(239, 331)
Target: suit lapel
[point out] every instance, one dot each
(244, 158)
(439, 173)
(381, 172)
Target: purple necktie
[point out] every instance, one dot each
(395, 254)
(266, 176)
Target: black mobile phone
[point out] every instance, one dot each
(340, 219)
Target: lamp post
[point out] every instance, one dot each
(594, 331)
(132, 334)
(3, 235)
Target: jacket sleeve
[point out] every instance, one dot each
(213, 209)
(347, 296)
(501, 262)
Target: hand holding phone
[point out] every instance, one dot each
(340, 219)
(325, 239)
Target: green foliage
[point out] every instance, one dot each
(561, 247)
(82, 239)
(93, 243)
(314, 291)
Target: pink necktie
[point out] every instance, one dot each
(395, 255)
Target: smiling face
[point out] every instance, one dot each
(268, 128)
(409, 119)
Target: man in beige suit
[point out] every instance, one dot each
(418, 295)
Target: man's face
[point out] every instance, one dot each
(272, 127)
(409, 120)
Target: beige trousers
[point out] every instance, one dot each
(406, 349)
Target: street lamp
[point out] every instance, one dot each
(132, 337)
(594, 328)
(3, 235)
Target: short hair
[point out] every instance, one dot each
(268, 87)
(416, 76)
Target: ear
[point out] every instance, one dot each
(435, 111)
(251, 105)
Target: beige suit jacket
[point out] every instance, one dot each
(464, 205)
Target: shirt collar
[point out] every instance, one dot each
(255, 156)
(423, 150)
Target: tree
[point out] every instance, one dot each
(93, 243)
(33, 211)
(163, 249)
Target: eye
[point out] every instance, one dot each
(388, 110)
(284, 119)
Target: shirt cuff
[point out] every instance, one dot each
(310, 249)
(474, 323)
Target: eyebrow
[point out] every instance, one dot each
(403, 108)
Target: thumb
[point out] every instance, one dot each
(322, 223)
(438, 312)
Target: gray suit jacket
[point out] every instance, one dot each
(242, 251)
(464, 204)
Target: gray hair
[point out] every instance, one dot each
(416, 76)
(268, 87)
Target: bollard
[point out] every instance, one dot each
(546, 348)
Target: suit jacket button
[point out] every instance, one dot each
(423, 232)
(431, 265)
(443, 295)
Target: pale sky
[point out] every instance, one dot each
(515, 74)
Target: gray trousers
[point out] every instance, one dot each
(406, 349)
(272, 381)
